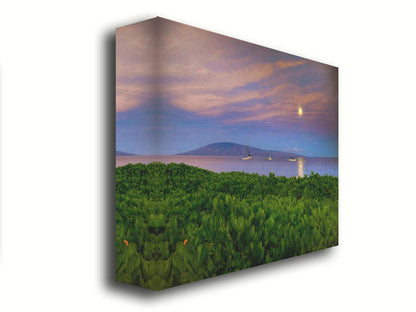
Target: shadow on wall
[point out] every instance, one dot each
(108, 170)
(108, 229)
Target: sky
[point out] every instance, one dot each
(179, 88)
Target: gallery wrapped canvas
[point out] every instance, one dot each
(226, 154)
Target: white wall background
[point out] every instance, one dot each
(56, 166)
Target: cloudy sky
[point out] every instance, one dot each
(179, 88)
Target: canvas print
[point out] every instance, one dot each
(226, 154)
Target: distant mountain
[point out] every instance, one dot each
(233, 149)
(120, 153)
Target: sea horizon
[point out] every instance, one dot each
(279, 166)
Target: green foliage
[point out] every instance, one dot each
(183, 223)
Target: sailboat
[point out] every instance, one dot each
(268, 157)
(248, 157)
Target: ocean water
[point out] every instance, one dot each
(279, 166)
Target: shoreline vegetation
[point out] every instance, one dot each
(177, 223)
